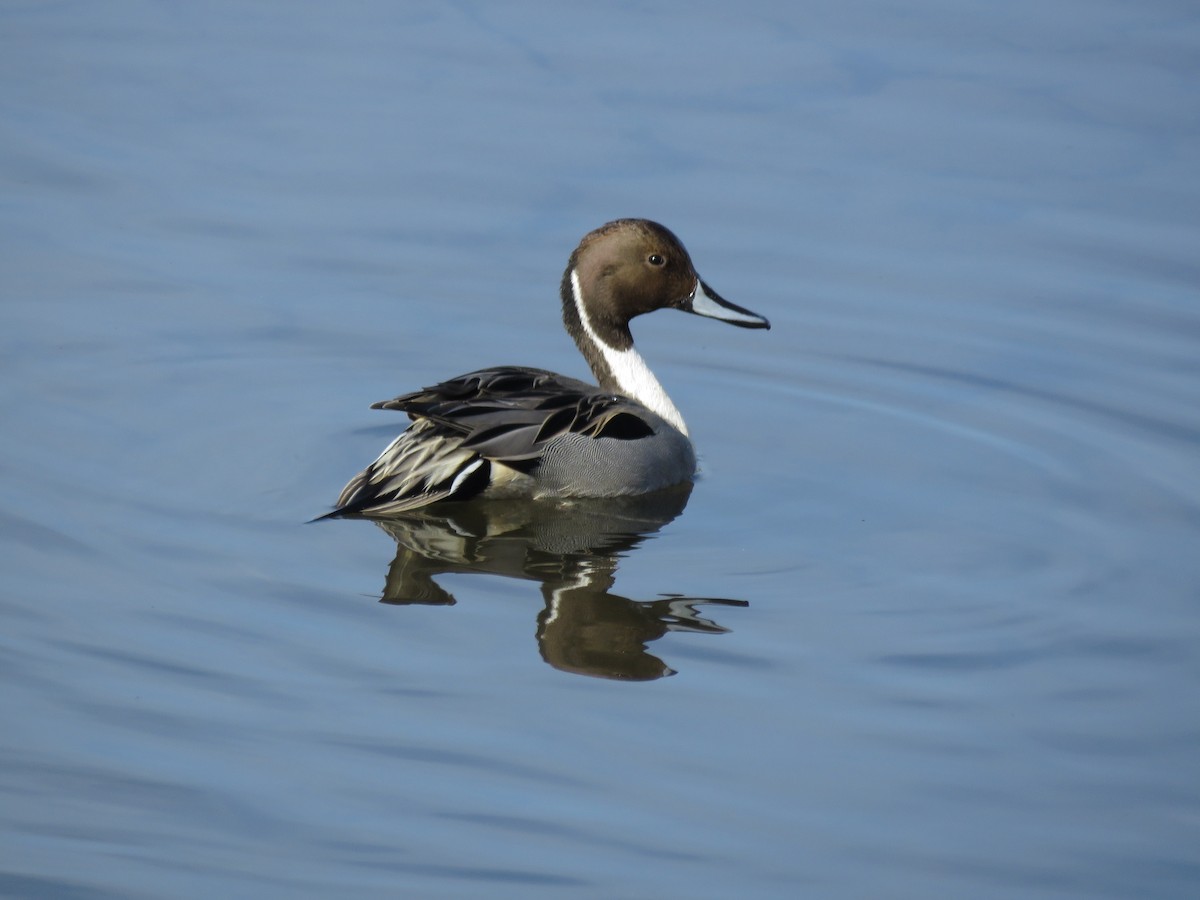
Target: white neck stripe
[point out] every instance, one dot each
(628, 368)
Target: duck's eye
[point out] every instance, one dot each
(655, 260)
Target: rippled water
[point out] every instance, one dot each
(926, 627)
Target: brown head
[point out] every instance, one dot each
(630, 267)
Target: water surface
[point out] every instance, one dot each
(927, 626)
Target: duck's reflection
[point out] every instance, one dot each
(572, 550)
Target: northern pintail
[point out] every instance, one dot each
(512, 431)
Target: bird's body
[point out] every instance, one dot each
(512, 431)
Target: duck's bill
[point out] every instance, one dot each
(704, 301)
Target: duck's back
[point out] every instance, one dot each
(512, 431)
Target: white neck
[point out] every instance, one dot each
(629, 369)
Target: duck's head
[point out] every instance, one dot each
(634, 266)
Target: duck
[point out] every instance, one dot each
(520, 432)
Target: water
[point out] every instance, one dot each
(951, 500)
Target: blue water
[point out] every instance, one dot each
(950, 502)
